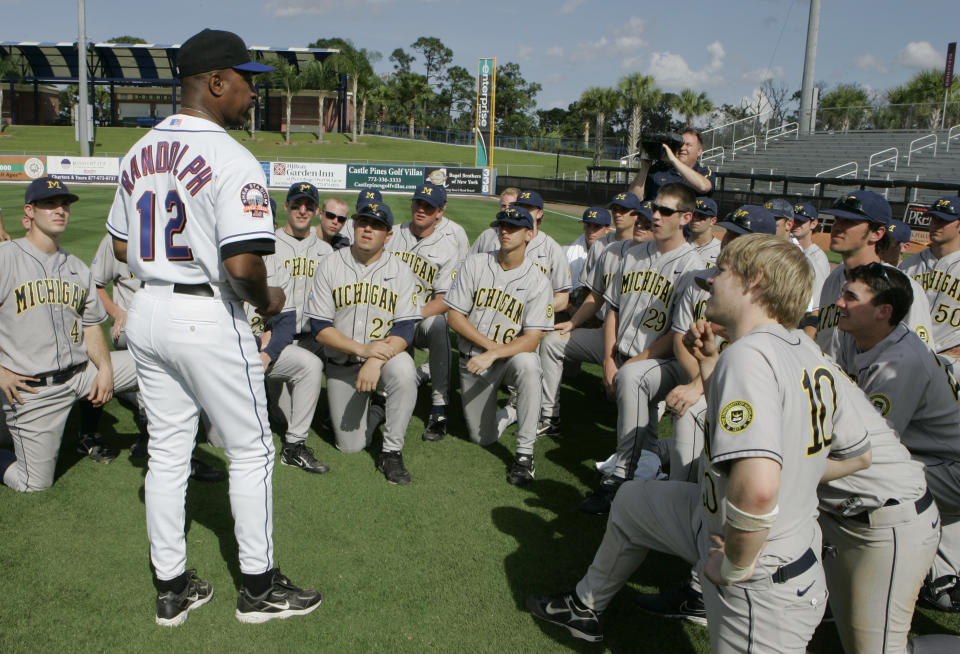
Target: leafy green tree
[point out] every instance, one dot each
(691, 104)
(600, 102)
(131, 40)
(409, 91)
(515, 101)
(458, 95)
(290, 80)
(638, 91)
(402, 61)
(10, 70)
(435, 55)
(356, 62)
(925, 87)
(844, 106)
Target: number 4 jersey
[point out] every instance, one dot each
(176, 223)
(500, 303)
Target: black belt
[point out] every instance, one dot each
(56, 378)
(787, 572)
(921, 505)
(201, 290)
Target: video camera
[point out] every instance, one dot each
(650, 146)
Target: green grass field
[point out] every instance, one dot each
(441, 565)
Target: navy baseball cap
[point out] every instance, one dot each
(646, 209)
(530, 199)
(805, 211)
(946, 208)
(516, 216)
(368, 195)
(213, 50)
(47, 187)
(303, 190)
(780, 208)
(626, 200)
(862, 205)
(435, 196)
(705, 207)
(375, 211)
(597, 216)
(900, 231)
(750, 219)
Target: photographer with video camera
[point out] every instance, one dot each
(671, 157)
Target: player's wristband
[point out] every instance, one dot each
(733, 573)
(744, 521)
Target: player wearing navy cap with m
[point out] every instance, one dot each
(192, 219)
(596, 226)
(701, 230)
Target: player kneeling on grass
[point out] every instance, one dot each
(52, 350)
(750, 525)
(500, 305)
(363, 310)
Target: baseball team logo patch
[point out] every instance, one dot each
(923, 333)
(736, 416)
(549, 311)
(882, 402)
(255, 200)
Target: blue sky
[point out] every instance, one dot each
(723, 48)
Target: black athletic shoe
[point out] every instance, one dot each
(522, 471)
(680, 602)
(549, 426)
(598, 503)
(299, 455)
(93, 446)
(139, 448)
(200, 471)
(436, 428)
(282, 600)
(566, 611)
(391, 465)
(172, 608)
(941, 595)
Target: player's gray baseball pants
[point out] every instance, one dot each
(578, 345)
(943, 480)
(301, 374)
(479, 393)
(875, 567)
(432, 334)
(686, 443)
(641, 385)
(36, 426)
(348, 408)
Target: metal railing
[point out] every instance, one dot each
(954, 133)
(930, 142)
(743, 144)
(781, 132)
(727, 133)
(712, 155)
(852, 170)
(924, 115)
(875, 160)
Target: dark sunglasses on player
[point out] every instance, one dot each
(874, 269)
(333, 216)
(666, 212)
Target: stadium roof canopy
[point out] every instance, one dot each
(124, 63)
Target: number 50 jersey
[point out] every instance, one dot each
(190, 196)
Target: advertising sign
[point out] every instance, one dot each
(103, 170)
(915, 215)
(463, 180)
(486, 96)
(21, 168)
(384, 177)
(283, 174)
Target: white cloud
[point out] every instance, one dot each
(525, 53)
(920, 54)
(555, 51)
(870, 63)
(300, 8)
(672, 71)
(623, 40)
(761, 74)
(570, 6)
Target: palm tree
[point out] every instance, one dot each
(639, 91)
(316, 76)
(290, 80)
(357, 64)
(691, 104)
(409, 90)
(9, 70)
(600, 102)
(378, 95)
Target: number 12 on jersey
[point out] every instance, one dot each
(177, 220)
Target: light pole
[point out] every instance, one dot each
(807, 118)
(82, 69)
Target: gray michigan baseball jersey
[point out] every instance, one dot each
(940, 279)
(300, 257)
(455, 231)
(593, 257)
(542, 250)
(642, 292)
(829, 337)
(45, 302)
(433, 259)
(821, 270)
(106, 268)
(709, 252)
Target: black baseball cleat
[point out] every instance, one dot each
(391, 465)
(680, 602)
(282, 600)
(200, 471)
(599, 502)
(172, 608)
(92, 445)
(299, 455)
(436, 428)
(943, 594)
(567, 611)
(522, 471)
(139, 448)
(549, 426)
